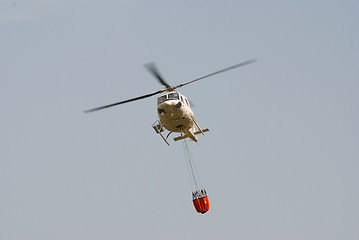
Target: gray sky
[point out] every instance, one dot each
(280, 162)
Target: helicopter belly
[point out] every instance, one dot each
(175, 118)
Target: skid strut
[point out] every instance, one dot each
(157, 126)
(195, 122)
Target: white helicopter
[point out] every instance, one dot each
(174, 110)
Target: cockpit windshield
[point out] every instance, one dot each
(171, 96)
(161, 99)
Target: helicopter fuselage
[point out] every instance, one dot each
(175, 112)
(176, 115)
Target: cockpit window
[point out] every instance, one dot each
(173, 96)
(161, 99)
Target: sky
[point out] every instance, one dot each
(281, 160)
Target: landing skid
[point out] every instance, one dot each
(158, 127)
(202, 131)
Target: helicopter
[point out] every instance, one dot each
(174, 109)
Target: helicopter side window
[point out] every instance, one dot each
(173, 96)
(187, 102)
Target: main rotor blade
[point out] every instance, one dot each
(126, 101)
(220, 71)
(151, 67)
